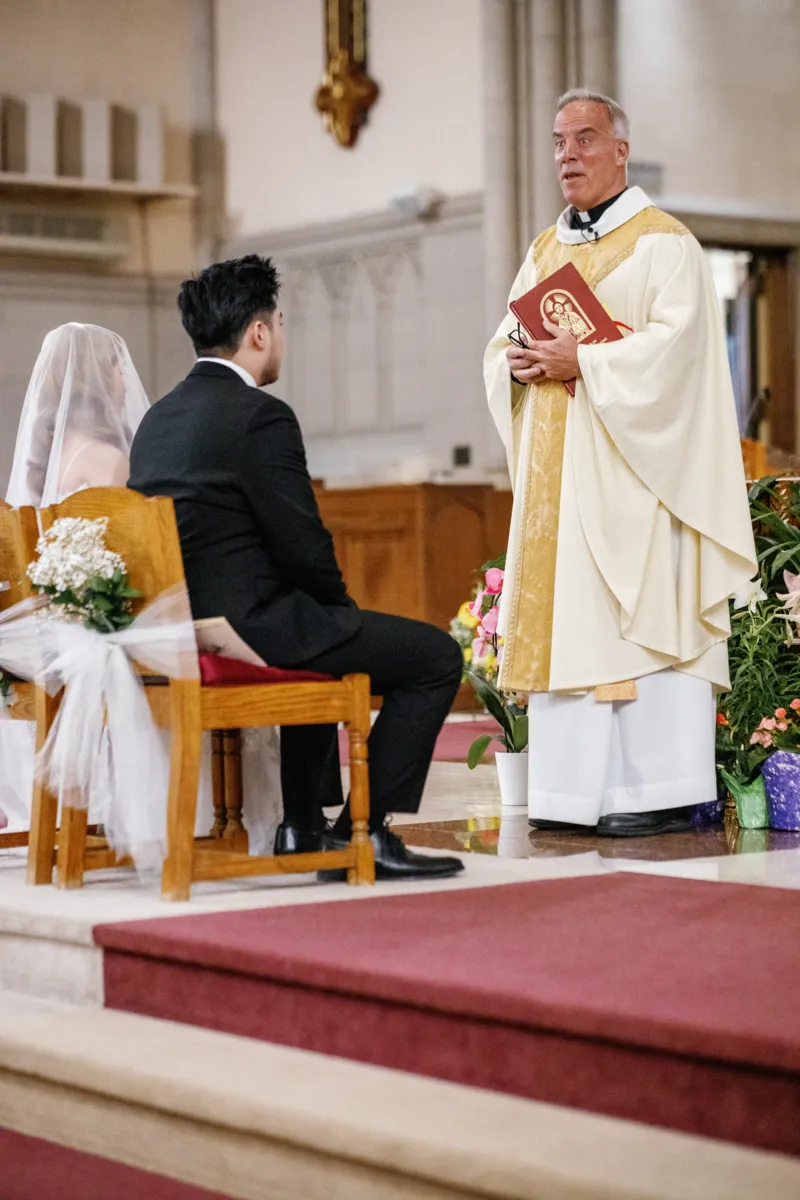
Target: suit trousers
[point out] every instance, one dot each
(416, 669)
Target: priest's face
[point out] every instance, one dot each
(590, 160)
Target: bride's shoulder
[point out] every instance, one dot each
(100, 465)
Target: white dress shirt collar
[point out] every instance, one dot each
(234, 366)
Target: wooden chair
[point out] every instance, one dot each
(18, 535)
(144, 532)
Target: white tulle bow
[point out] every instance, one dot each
(104, 748)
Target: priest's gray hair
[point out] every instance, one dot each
(616, 113)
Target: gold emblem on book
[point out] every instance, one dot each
(563, 310)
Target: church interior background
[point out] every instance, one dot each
(139, 142)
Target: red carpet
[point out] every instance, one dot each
(668, 1001)
(453, 742)
(33, 1169)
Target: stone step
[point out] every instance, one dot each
(251, 1121)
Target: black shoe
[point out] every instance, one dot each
(564, 826)
(289, 840)
(646, 824)
(394, 861)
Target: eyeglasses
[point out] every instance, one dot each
(517, 336)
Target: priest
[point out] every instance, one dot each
(630, 526)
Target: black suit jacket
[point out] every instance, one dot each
(254, 546)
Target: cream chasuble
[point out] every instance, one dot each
(645, 453)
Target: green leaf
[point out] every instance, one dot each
(519, 733)
(477, 750)
(498, 563)
(492, 699)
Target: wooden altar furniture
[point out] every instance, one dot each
(143, 531)
(414, 550)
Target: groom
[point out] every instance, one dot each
(255, 551)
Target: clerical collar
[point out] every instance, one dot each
(626, 206)
(583, 220)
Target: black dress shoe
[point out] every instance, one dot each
(646, 824)
(564, 826)
(290, 840)
(394, 861)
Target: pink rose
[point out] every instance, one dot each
(490, 619)
(755, 739)
(766, 739)
(795, 705)
(783, 726)
(780, 713)
(768, 723)
(494, 581)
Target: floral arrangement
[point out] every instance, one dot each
(475, 629)
(760, 714)
(84, 580)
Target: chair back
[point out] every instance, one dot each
(141, 529)
(18, 535)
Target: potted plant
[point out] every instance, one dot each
(757, 719)
(475, 628)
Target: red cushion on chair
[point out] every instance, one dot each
(216, 670)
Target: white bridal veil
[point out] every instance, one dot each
(84, 395)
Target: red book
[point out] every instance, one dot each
(565, 299)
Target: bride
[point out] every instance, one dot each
(83, 405)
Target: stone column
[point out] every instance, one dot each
(598, 45)
(207, 151)
(546, 38)
(501, 210)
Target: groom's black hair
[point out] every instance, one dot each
(219, 303)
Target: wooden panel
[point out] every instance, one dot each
(376, 537)
(779, 352)
(456, 541)
(414, 550)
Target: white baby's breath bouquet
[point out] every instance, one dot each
(83, 579)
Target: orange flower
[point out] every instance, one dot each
(780, 713)
(722, 719)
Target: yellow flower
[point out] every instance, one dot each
(468, 654)
(489, 661)
(466, 617)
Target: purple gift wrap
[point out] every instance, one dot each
(705, 815)
(781, 774)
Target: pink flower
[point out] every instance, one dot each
(755, 739)
(766, 739)
(477, 604)
(494, 581)
(768, 723)
(479, 648)
(792, 582)
(780, 713)
(783, 726)
(489, 622)
(795, 705)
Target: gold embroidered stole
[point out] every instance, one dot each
(526, 660)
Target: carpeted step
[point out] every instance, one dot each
(662, 1000)
(95, 1105)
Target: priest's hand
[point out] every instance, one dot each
(556, 358)
(523, 364)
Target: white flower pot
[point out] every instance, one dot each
(512, 775)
